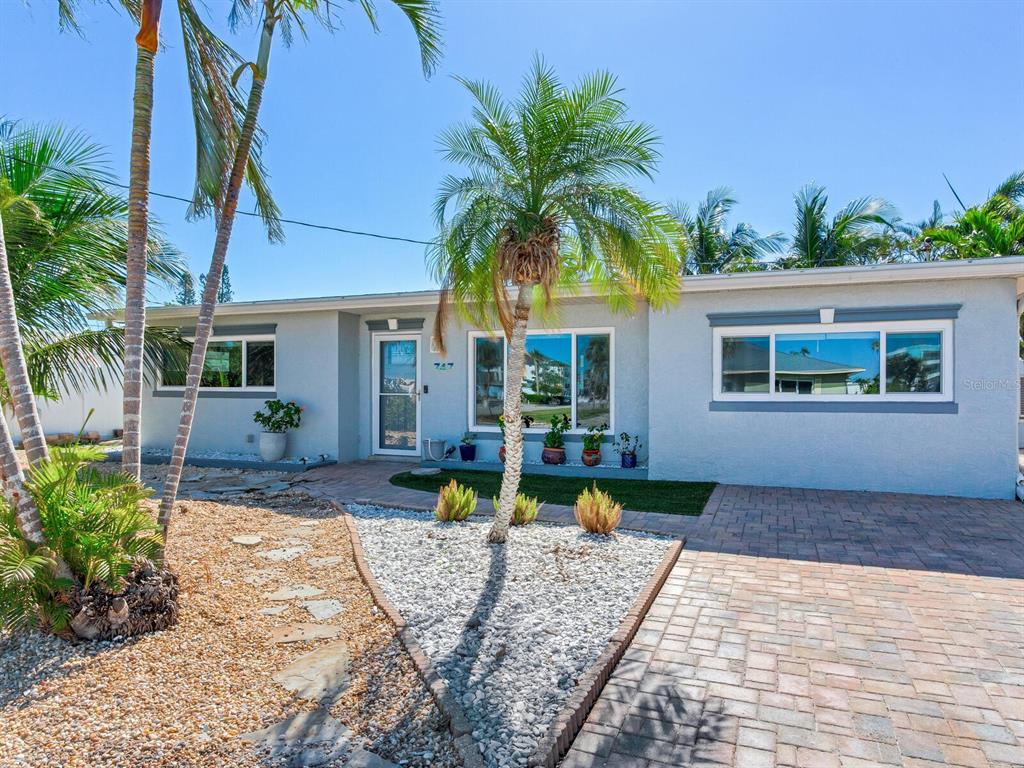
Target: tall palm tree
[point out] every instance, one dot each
(708, 246)
(543, 206)
(66, 244)
(848, 238)
(994, 228)
(423, 16)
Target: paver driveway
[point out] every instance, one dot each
(807, 628)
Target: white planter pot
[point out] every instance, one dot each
(272, 445)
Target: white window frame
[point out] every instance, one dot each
(943, 327)
(245, 365)
(573, 333)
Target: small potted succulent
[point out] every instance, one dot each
(276, 419)
(527, 423)
(592, 445)
(627, 446)
(467, 450)
(554, 440)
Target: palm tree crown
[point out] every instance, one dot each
(708, 246)
(850, 237)
(542, 202)
(994, 228)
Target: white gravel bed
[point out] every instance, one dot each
(230, 456)
(511, 629)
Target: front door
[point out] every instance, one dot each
(396, 401)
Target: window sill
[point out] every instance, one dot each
(792, 406)
(533, 436)
(237, 394)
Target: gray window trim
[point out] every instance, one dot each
(404, 324)
(535, 436)
(842, 315)
(789, 406)
(215, 394)
(263, 329)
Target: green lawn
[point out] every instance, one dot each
(644, 495)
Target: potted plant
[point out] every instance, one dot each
(276, 419)
(527, 423)
(627, 446)
(554, 440)
(467, 450)
(592, 445)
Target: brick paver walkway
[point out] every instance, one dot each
(808, 628)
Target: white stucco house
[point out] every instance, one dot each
(899, 377)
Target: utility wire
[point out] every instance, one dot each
(188, 200)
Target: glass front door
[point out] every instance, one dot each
(396, 396)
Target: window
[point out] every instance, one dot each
(565, 373)
(240, 363)
(870, 361)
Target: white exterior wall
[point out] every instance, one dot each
(68, 414)
(970, 453)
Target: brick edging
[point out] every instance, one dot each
(458, 723)
(563, 731)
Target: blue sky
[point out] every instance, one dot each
(865, 98)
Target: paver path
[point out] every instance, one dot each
(809, 628)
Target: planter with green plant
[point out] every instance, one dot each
(627, 446)
(467, 450)
(554, 440)
(527, 423)
(276, 419)
(592, 445)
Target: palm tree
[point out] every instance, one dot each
(707, 246)
(850, 237)
(994, 228)
(66, 242)
(543, 206)
(423, 16)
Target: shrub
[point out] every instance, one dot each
(597, 512)
(525, 510)
(455, 502)
(554, 437)
(93, 519)
(279, 416)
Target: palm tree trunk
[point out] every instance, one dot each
(12, 356)
(204, 325)
(25, 513)
(138, 236)
(513, 415)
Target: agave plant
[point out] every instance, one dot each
(455, 502)
(597, 512)
(525, 510)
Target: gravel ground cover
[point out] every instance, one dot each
(183, 698)
(511, 629)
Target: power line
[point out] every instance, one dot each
(188, 200)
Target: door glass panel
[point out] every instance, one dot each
(397, 397)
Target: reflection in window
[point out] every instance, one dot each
(490, 380)
(259, 363)
(913, 362)
(593, 380)
(745, 363)
(547, 377)
(223, 365)
(828, 363)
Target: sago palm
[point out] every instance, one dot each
(543, 206)
(850, 237)
(423, 16)
(708, 246)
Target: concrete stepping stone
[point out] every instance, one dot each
(303, 532)
(323, 562)
(274, 610)
(303, 631)
(303, 729)
(248, 540)
(276, 487)
(323, 609)
(292, 542)
(261, 577)
(362, 758)
(321, 674)
(285, 553)
(294, 591)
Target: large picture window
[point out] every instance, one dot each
(565, 373)
(896, 361)
(231, 363)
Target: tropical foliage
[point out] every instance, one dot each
(597, 512)
(66, 237)
(850, 237)
(455, 502)
(708, 246)
(93, 520)
(542, 207)
(994, 228)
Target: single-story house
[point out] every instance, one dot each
(895, 377)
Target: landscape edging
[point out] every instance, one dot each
(458, 723)
(563, 731)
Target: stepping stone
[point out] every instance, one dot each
(322, 674)
(425, 471)
(323, 562)
(291, 542)
(309, 523)
(305, 728)
(247, 540)
(303, 533)
(202, 495)
(277, 487)
(362, 758)
(323, 609)
(294, 591)
(222, 489)
(285, 554)
(274, 611)
(303, 631)
(261, 577)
